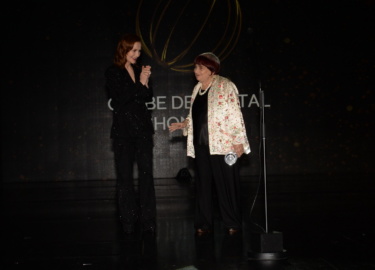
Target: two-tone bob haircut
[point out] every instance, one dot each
(209, 60)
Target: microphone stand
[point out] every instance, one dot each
(265, 246)
(263, 135)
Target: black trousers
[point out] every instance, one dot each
(127, 152)
(212, 171)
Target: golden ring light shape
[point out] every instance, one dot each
(227, 36)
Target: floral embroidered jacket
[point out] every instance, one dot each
(226, 126)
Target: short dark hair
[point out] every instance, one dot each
(209, 60)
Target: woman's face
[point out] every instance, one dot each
(202, 73)
(134, 53)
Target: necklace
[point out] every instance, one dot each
(202, 92)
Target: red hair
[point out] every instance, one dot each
(124, 45)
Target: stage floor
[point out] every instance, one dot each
(325, 222)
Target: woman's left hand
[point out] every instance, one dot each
(238, 149)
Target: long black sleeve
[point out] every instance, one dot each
(131, 116)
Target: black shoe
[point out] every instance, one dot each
(202, 231)
(233, 231)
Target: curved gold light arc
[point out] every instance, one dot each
(227, 43)
(153, 33)
(139, 32)
(164, 53)
(163, 58)
(235, 36)
(184, 52)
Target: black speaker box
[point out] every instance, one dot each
(266, 242)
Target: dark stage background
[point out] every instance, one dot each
(313, 60)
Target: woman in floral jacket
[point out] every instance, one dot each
(214, 128)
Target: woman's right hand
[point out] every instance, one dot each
(145, 75)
